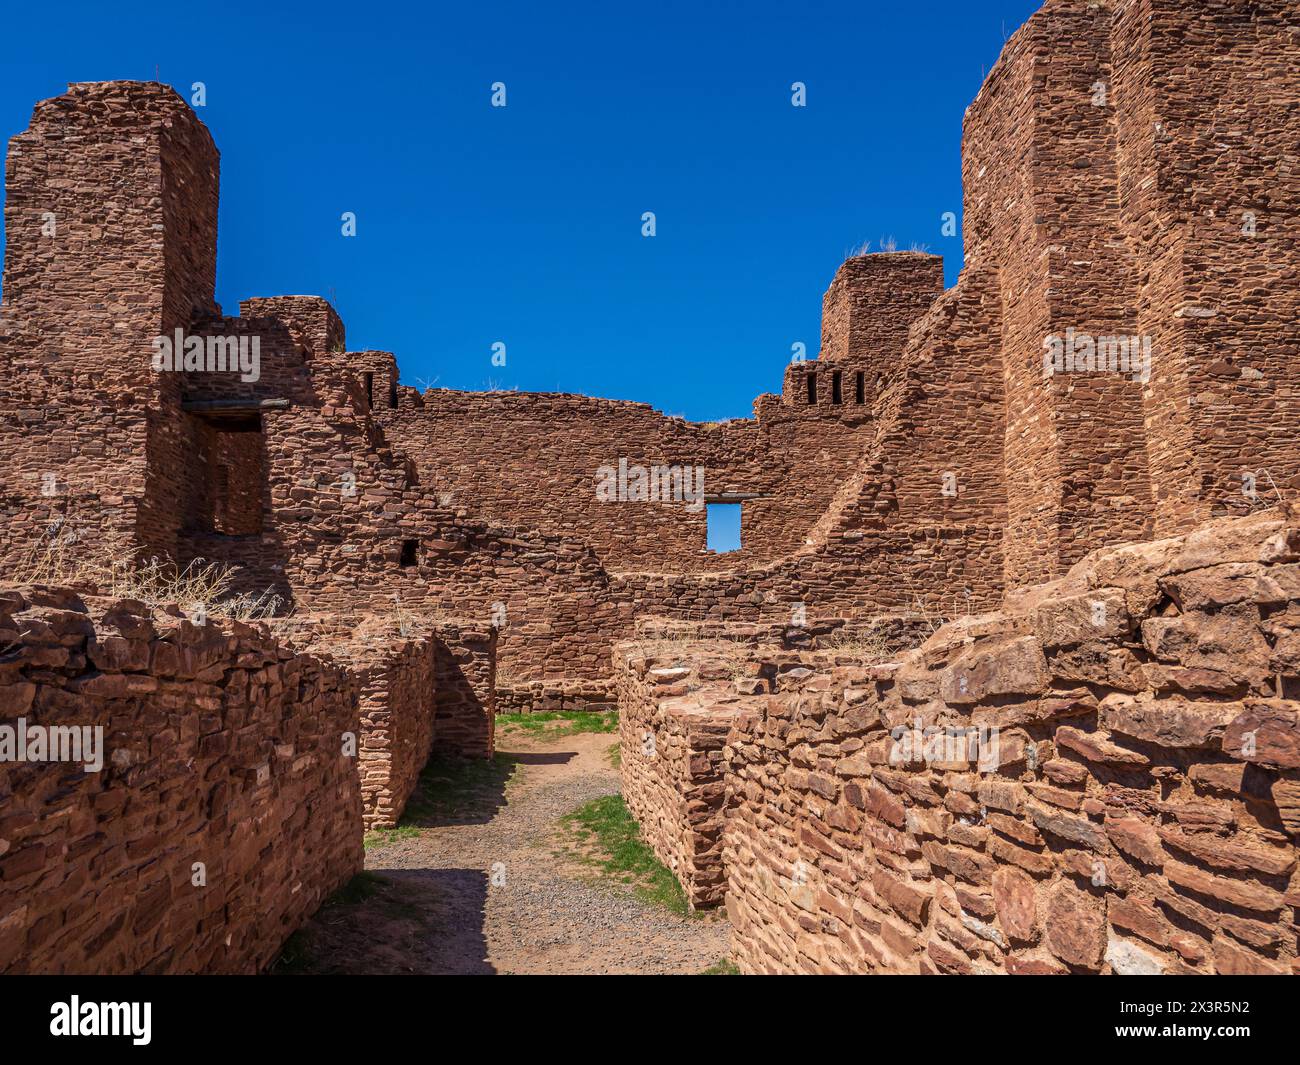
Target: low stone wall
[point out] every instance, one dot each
(225, 811)
(398, 697)
(465, 662)
(1102, 778)
(395, 677)
(673, 722)
(426, 687)
(542, 696)
(678, 702)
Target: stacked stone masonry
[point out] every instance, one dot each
(1103, 777)
(678, 702)
(1129, 171)
(925, 457)
(225, 810)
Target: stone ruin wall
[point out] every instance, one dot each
(1131, 805)
(671, 737)
(1127, 218)
(1206, 150)
(1122, 217)
(221, 745)
(682, 688)
(398, 699)
(962, 472)
(465, 668)
(678, 703)
(124, 168)
(425, 689)
(531, 460)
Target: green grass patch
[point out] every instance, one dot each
(380, 837)
(611, 841)
(559, 722)
(722, 967)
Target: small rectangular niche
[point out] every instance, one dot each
(392, 392)
(723, 527)
(837, 394)
(812, 386)
(410, 553)
(369, 379)
(860, 387)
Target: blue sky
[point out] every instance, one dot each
(521, 225)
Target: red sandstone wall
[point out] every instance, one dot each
(673, 721)
(127, 177)
(222, 747)
(1041, 208)
(1210, 210)
(532, 459)
(1138, 811)
(963, 471)
(398, 699)
(394, 675)
(427, 687)
(465, 657)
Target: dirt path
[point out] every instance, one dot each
(486, 886)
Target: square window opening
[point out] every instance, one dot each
(410, 550)
(723, 527)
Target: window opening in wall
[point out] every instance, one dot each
(861, 387)
(369, 378)
(812, 387)
(836, 394)
(409, 549)
(723, 527)
(392, 392)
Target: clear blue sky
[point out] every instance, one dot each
(522, 225)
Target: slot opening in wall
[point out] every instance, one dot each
(836, 388)
(723, 527)
(369, 379)
(392, 391)
(860, 387)
(812, 386)
(410, 551)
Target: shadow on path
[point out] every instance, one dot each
(395, 922)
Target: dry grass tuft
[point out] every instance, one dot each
(62, 558)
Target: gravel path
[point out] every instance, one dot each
(495, 892)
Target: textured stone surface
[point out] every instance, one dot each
(222, 747)
(923, 465)
(1163, 848)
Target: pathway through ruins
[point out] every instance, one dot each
(434, 908)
